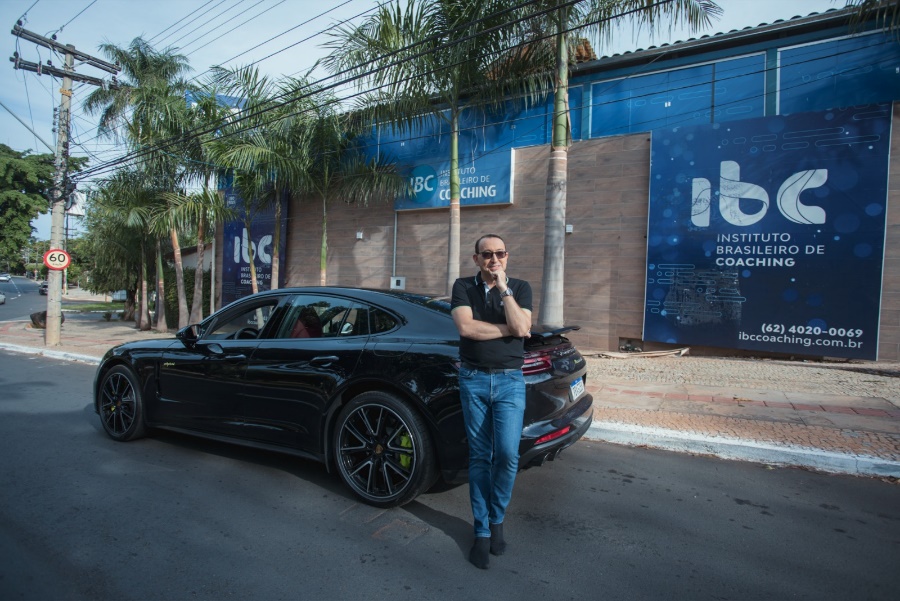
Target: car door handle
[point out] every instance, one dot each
(324, 360)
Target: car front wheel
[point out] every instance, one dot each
(383, 450)
(121, 409)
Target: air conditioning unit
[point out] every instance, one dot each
(398, 283)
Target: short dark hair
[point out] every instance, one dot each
(478, 242)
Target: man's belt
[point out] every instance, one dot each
(491, 370)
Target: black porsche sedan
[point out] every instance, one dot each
(364, 381)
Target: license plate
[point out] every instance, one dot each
(576, 388)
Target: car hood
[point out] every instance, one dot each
(148, 344)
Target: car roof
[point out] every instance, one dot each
(384, 297)
(349, 289)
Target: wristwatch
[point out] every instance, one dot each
(506, 292)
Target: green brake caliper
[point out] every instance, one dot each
(406, 443)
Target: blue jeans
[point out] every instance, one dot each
(493, 407)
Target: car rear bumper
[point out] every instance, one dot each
(577, 419)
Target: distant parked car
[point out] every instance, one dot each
(119, 295)
(43, 288)
(5, 277)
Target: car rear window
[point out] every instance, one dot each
(441, 304)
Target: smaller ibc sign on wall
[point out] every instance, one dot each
(768, 234)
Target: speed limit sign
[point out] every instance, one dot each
(56, 258)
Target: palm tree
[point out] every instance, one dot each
(179, 212)
(119, 237)
(339, 169)
(268, 144)
(428, 60)
(885, 13)
(206, 112)
(148, 76)
(569, 21)
(149, 104)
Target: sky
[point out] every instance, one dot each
(285, 36)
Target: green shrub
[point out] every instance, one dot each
(171, 297)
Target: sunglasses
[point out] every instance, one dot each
(487, 254)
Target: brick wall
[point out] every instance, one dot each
(889, 334)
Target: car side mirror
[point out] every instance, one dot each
(189, 334)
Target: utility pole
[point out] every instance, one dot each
(57, 193)
(57, 208)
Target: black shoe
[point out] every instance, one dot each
(479, 553)
(498, 545)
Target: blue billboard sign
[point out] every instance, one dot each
(422, 153)
(483, 180)
(768, 234)
(237, 244)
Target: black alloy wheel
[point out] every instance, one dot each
(121, 410)
(383, 450)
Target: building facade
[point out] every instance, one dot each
(813, 64)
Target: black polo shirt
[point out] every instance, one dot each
(486, 304)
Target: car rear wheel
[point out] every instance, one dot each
(383, 450)
(121, 408)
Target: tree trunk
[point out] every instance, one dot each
(552, 288)
(453, 236)
(161, 324)
(144, 308)
(197, 301)
(139, 295)
(323, 252)
(276, 241)
(179, 280)
(254, 286)
(128, 312)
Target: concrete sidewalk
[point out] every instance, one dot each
(841, 417)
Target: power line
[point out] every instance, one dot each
(186, 24)
(27, 10)
(76, 16)
(243, 117)
(210, 20)
(311, 19)
(237, 26)
(224, 23)
(247, 114)
(164, 144)
(283, 33)
(763, 70)
(181, 19)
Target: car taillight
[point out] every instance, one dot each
(553, 435)
(536, 363)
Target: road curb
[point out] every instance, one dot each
(62, 355)
(742, 450)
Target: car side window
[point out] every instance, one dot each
(381, 321)
(314, 316)
(246, 324)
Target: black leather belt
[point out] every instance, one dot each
(492, 370)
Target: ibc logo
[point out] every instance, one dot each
(423, 182)
(732, 190)
(262, 250)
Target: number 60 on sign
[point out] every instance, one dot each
(56, 258)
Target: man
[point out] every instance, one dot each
(493, 315)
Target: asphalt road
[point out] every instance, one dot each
(171, 517)
(22, 299)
